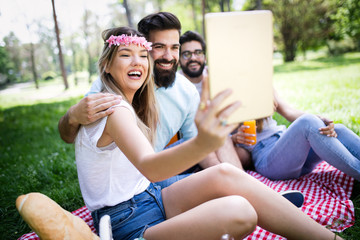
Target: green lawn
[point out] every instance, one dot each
(34, 158)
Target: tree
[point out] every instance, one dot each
(301, 24)
(203, 11)
(74, 49)
(32, 59)
(258, 4)
(47, 59)
(92, 33)
(87, 40)
(13, 49)
(159, 4)
(222, 5)
(33, 65)
(353, 29)
(57, 32)
(347, 20)
(194, 14)
(128, 13)
(5, 66)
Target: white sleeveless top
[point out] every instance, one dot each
(106, 176)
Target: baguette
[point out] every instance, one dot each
(50, 221)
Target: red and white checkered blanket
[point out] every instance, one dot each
(326, 190)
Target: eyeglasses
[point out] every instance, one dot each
(187, 54)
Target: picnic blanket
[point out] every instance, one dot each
(326, 191)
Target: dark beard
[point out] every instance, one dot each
(165, 78)
(191, 74)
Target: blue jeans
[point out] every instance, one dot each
(130, 219)
(301, 147)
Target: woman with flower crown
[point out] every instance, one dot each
(119, 172)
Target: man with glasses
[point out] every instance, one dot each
(192, 58)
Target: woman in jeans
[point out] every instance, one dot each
(120, 175)
(281, 153)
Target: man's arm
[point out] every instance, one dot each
(291, 114)
(88, 110)
(284, 109)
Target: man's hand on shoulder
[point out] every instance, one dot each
(88, 110)
(92, 108)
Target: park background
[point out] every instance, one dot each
(45, 69)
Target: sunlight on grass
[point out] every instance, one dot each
(332, 91)
(49, 91)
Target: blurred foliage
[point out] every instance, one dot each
(347, 21)
(301, 25)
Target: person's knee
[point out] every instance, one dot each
(309, 121)
(226, 177)
(228, 171)
(242, 215)
(309, 118)
(339, 128)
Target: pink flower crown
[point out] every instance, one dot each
(127, 40)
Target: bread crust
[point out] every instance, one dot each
(50, 221)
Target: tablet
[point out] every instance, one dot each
(239, 56)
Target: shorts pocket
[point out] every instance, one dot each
(120, 218)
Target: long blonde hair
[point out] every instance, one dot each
(144, 101)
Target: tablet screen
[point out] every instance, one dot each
(239, 56)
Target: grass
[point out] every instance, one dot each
(35, 159)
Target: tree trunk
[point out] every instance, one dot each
(203, 6)
(258, 4)
(128, 14)
(74, 61)
(159, 4)
(32, 59)
(221, 2)
(33, 68)
(87, 40)
(193, 5)
(228, 5)
(62, 66)
(289, 51)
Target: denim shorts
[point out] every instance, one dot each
(130, 219)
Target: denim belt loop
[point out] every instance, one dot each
(133, 202)
(95, 217)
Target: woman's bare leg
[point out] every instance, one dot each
(210, 220)
(274, 212)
